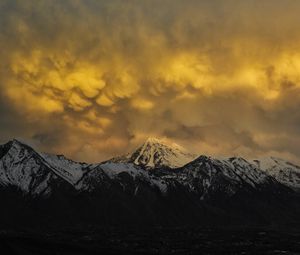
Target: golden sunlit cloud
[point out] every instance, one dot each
(221, 77)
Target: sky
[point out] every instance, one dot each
(92, 79)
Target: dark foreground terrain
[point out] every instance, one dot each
(41, 194)
(154, 241)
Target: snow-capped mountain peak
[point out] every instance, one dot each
(13, 144)
(15, 148)
(158, 152)
(22, 167)
(33, 172)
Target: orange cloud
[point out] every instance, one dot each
(213, 75)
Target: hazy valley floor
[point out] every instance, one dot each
(155, 241)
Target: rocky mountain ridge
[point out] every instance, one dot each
(146, 187)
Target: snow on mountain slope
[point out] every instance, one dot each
(283, 171)
(204, 175)
(104, 173)
(34, 172)
(113, 169)
(247, 171)
(156, 153)
(208, 176)
(69, 170)
(22, 167)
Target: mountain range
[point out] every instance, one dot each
(160, 183)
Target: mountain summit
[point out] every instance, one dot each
(155, 153)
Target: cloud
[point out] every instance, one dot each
(92, 79)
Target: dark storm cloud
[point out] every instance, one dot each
(92, 79)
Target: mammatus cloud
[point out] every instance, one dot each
(91, 79)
